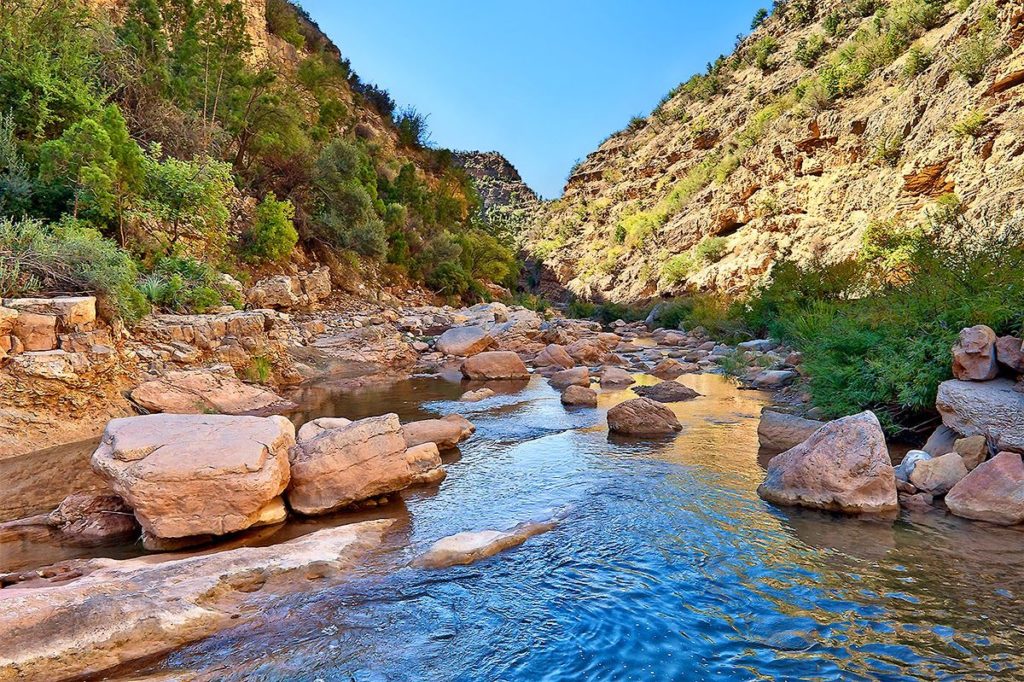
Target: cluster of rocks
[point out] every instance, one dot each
(971, 465)
(188, 478)
(287, 292)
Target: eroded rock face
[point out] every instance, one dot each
(577, 376)
(642, 417)
(90, 519)
(202, 391)
(579, 396)
(464, 341)
(993, 492)
(844, 466)
(445, 433)
(778, 431)
(343, 466)
(494, 365)
(937, 475)
(974, 355)
(993, 409)
(129, 610)
(187, 475)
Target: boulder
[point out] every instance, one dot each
(973, 450)
(937, 475)
(974, 354)
(477, 395)
(126, 611)
(445, 433)
(92, 519)
(189, 475)
(993, 409)
(844, 466)
(554, 356)
(760, 345)
(670, 368)
(203, 391)
(778, 431)
(72, 312)
(464, 341)
(1009, 353)
(587, 351)
(280, 292)
(578, 376)
(909, 462)
(616, 376)
(37, 332)
(314, 428)
(8, 316)
(667, 392)
(579, 396)
(343, 466)
(642, 417)
(941, 441)
(316, 285)
(494, 365)
(774, 378)
(424, 461)
(993, 492)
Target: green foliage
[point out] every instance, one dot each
(677, 268)
(888, 150)
(16, 186)
(534, 302)
(450, 279)
(186, 200)
(259, 370)
(272, 236)
(412, 128)
(483, 256)
(809, 50)
(970, 125)
(759, 16)
(36, 259)
(711, 250)
(636, 123)
(185, 285)
(980, 49)
(917, 62)
(282, 22)
(347, 186)
(761, 53)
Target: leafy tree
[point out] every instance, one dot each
(273, 234)
(759, 16)
(346, 188)
(412, 128)
(16, 185)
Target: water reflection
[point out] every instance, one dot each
(667, 566)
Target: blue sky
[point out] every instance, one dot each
(542, 82)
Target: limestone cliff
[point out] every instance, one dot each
(507, 203)
(830, 117)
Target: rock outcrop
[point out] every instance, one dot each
(204, 391)
(194, 475)
(642, 417)
(844, 466)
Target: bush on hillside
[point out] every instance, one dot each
(272, 235)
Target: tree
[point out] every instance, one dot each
(346, 193)
(759, 16)
(273, 235)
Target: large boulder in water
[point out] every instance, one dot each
(994, 409)
(616, 377)
(342, 466)
(203, 391)
(187, 475)
(667, 392)
(642, 417)
(844, 466)
(974, 354)
(578, 376)
(445, 433)
(579, 396)
(778, 431)
(993, 492)
(464, 341)
(494, 365)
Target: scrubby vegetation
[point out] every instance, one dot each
(156, 138)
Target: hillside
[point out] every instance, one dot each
(187, 141)
(832, 127)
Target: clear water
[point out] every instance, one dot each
(666, 567)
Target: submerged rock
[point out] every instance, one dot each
(446, 433)
(466, 548)
(196, 474)
(778, 431)
(642, 417)
(667, 392)
(493, 365)
(203, 391)
(993, 492)
(974, 354)
(124, 611)
(477, 395)
(844, 466)
(579, 396)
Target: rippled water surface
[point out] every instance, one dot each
(667, 566)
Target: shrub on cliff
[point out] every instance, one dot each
(272, 236)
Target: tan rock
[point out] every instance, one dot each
(642, 417)
(445, 433)
(579, 396)
(8, 316)
(316, 285)
(670, 368)
(464, 341)
(1009, 353)
(91, 519)
(343, 466)
(778, 431)
(973, 450)
(35, 331)
(195, 474)
(477, 395)
(616, 376)
(314, 428)
(974, 355)
(280, 292)
(425, 463)
(203, 391)
(578, 376)
(994, 409)
(554, 356)
(667, 392)
(72, 312)
(844, 466)
(993, 492)
(938, 475)
(587, 351)
(125, 611)
(494, 365)
(469, 547)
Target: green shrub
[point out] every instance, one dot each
(677, 268)
(761, 52)
(534, 302)
(888, 150)
(809, 50)
(282, 22)
(980, 49)
(971, 124)
(272, 236)
(580, 310)
(449, 279)
(259, 370)
(185, 285)
(69, 257)
(412, 128)
(759, 16)
(917, 62)
(711, 250)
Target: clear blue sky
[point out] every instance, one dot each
(541, 81)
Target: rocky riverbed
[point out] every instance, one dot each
(205, 462)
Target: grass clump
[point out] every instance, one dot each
(970, 125)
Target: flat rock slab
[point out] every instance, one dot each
(469, 547)
(190, 475)
(129, 610)
(464, 341)
(445, 433)
(993, 492)
(204, 391)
